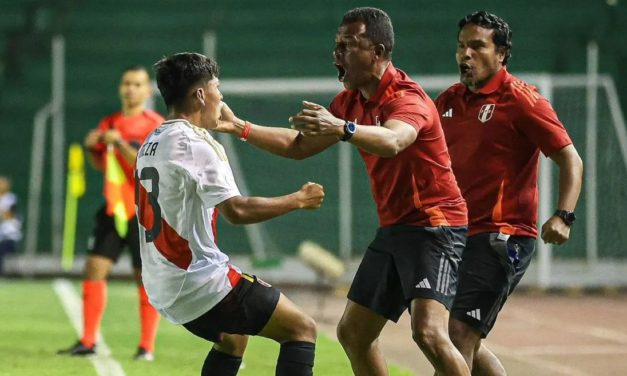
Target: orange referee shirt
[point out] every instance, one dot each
(133, 129)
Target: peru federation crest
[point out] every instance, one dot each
(485, 113)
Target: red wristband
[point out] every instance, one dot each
(245, 131)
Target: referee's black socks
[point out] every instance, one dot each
(296, 359)
(220, 364)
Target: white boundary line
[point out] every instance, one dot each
(103, 362)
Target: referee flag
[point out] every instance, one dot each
(119, 193)
(75, 189)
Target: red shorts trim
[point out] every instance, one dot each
(234, 276)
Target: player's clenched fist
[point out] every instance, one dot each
(555, 231)
(311, 196)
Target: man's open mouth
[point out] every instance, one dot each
(341, 72)
(465, 68)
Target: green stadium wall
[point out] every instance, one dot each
(273, 39)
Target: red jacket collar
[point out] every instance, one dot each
(386, 80)
(495, 82)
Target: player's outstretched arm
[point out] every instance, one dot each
(284, 142)
(246, 210)
(386, 141)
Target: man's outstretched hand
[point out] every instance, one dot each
(315, 120)
(227, 121)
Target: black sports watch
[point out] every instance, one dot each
(349, 130)
(566, 216)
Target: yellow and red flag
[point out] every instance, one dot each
(119, 193)
(75, 190)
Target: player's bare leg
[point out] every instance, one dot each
(465, 338)
(289, 323)
(296, 332)
(358, 332)
(429, 322)
(479, 358)
(97, 268)
(232, 344)
(486, 363)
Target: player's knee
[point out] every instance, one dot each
(232, 345)
(308, 329)
(344, 334)
(349, 337)
(97, 268)
(302, 329)
(428, 337)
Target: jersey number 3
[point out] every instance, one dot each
(149, 211)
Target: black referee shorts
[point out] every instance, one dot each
(492, 266)
(106, 242)
(408, 262)
(245, 310)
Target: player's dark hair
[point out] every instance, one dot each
(378, 26)
(176, 74)
(502, 36)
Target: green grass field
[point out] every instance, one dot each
(33, 326)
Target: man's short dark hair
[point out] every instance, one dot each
(378, 26)
(135, 68)
(176, 74)
(502, 36)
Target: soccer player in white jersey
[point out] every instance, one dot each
(183, 176)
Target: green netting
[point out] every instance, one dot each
(268, 175)
(570, 104)
(612, 188)
(295, 39)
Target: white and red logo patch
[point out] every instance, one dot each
(485, 113)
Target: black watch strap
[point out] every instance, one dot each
(567, 216)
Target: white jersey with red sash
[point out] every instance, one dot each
(182, 174)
